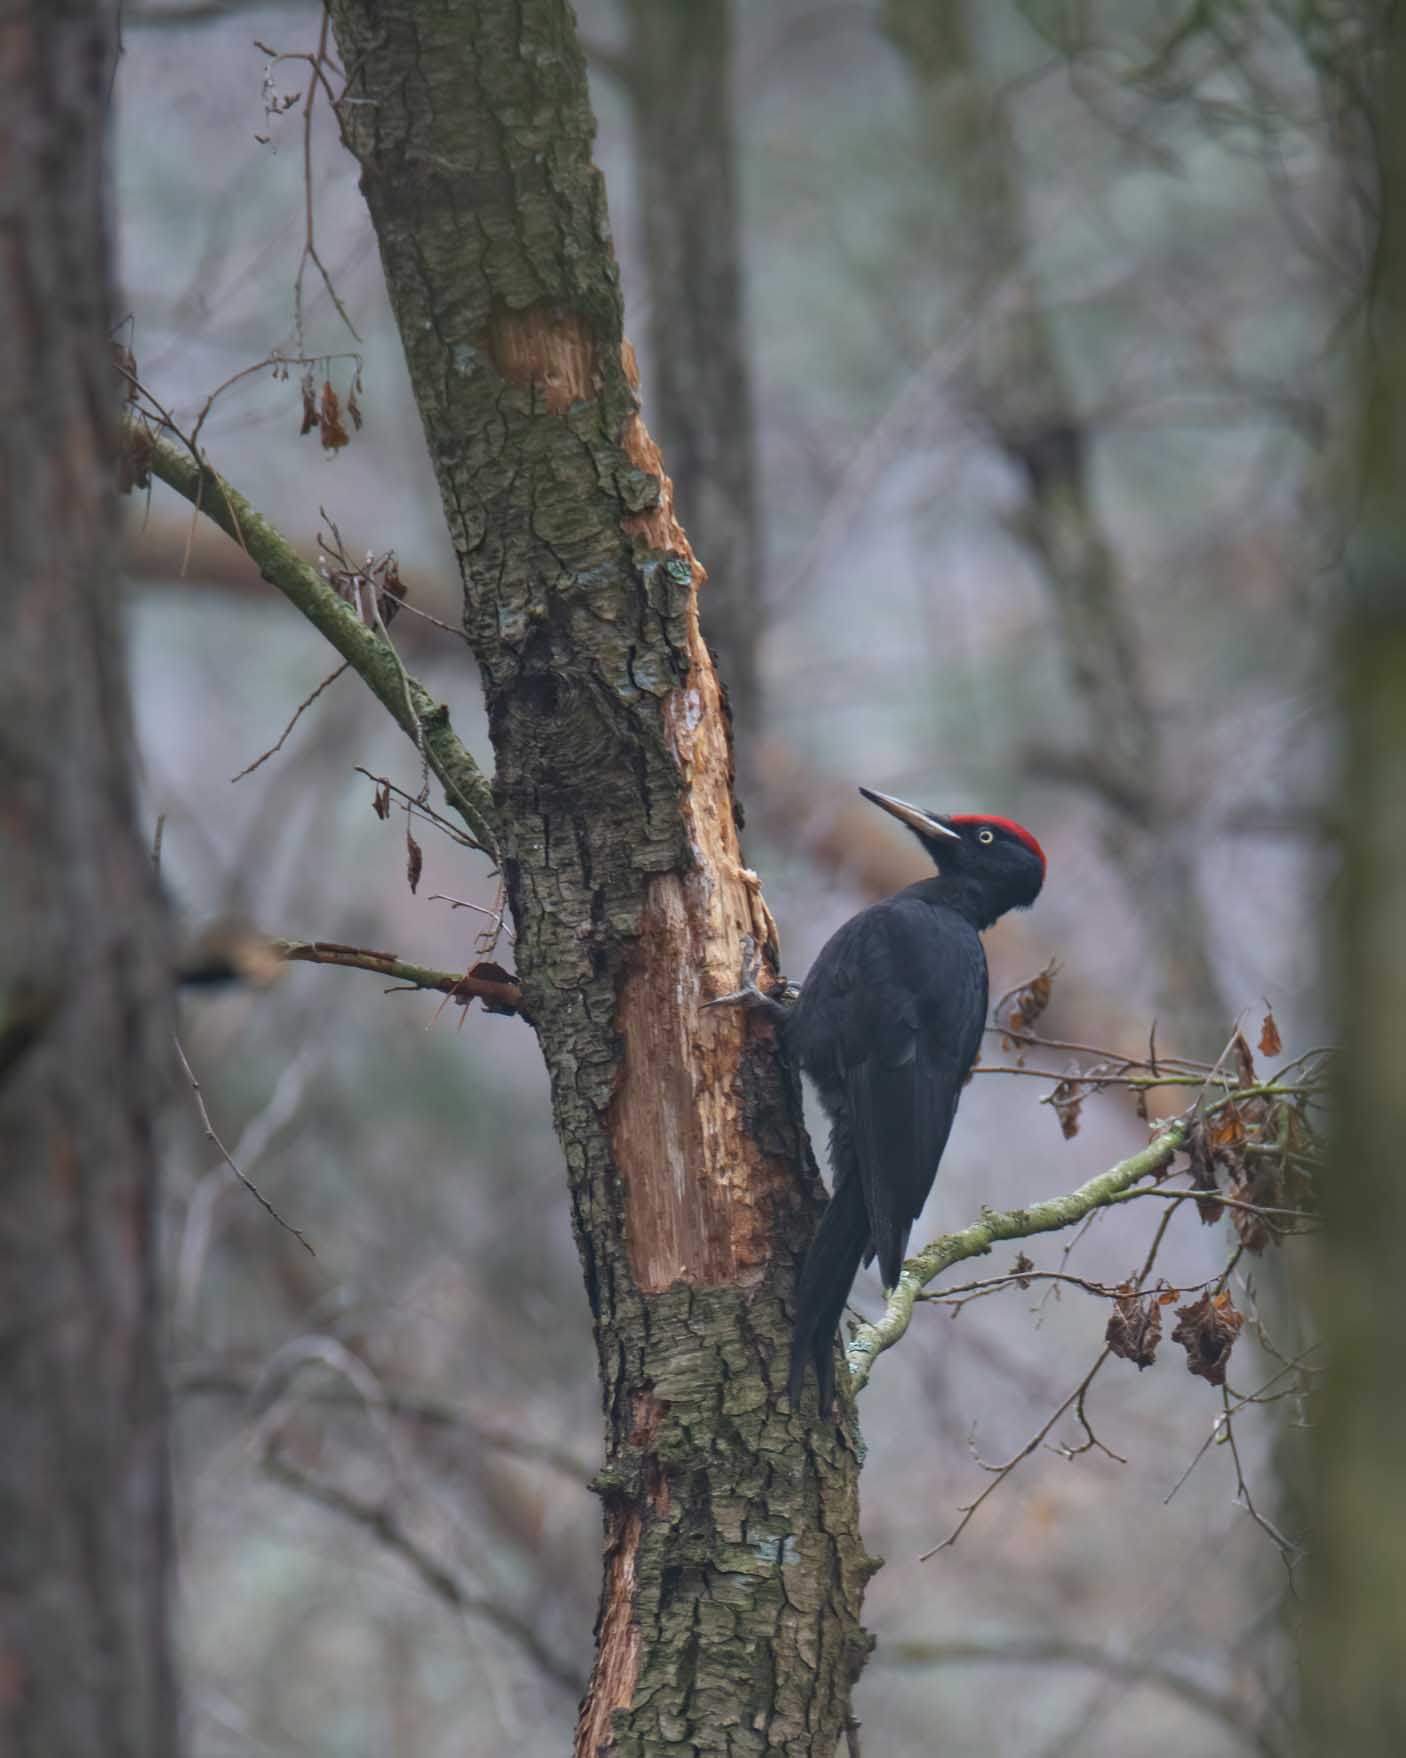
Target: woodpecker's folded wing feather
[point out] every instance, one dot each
(914, 1029)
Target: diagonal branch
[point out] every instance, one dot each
(975, 1241)
(1129, 1669)
(408, 702)
(382, 1522)
(498, 992)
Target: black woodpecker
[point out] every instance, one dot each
(888, 1025)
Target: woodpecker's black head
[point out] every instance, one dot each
(991, 864)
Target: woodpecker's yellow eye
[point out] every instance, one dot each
(986, 836)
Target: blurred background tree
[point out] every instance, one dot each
(86, 1004)
(1051, 314)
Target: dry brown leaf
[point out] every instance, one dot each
(1022, 1265)
(309, 405)
(1135, 1328)
(1068, 1101)
(1207, 1330)
(1270, 1041)
(414, 860)
(331, 430)
(381, 800)
(1203, 1176)
(1244, 1061)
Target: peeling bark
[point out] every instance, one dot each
(734, 1571)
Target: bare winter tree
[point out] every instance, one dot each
(84, 990)
(733, 1566)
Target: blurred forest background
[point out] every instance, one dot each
(1020, 496)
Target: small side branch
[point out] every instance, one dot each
(1127, 1669)
(975, 1241)
(498, 992)
(410, 705)
(382, 1522)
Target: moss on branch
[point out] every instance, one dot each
(1050, 1216)
(410, 705)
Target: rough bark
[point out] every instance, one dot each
(734, 1571)
(1027, 398)
(85, 1664)
(1356, 1683)
(698, 389)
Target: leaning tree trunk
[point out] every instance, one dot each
(85, 1665)
(734, 1571)
(1356, 1681)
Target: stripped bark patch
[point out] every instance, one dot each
(612, 1684)
(553, 352)
(697, 1210)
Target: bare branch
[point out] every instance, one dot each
(409, 703)
(382, 1523)
(1041, 1651)
(500, 992)
(248, 1183)
(975, 1241)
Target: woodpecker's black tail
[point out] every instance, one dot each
(829, 1270)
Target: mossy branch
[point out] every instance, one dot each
(410, 705)
(975, 1241)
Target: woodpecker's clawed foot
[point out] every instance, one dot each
(775, 1007)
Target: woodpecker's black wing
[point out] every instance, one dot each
(914, 1028)
(888, 1025)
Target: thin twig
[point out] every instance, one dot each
(298, 712)
(382, 1523)
(248, 1183)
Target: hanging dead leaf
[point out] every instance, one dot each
(1203, 1175)
(1244, 1061)
(309, 391)
(1207, 1330)
(414, 859)
(1270, 1041)
(1135, 1329)
(1225, 1127)
(1068, 1101)
(381, 800)
(1022, 1264)
(331, 430)
(134, 459)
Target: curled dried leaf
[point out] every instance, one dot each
(1244, 1061)
(381, 800)
(1135, 1328)
(1021, 1266)
(1270, 1041)
(126, 362)
(1068, 1101)
(1207, 1330)
(309, 391)
(1203, 1175)
(414, 859)
(331, 429)
(134, 460)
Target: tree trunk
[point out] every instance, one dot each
(1357, 1685)
(734, 1571)
(85, 1665)
(698, 389)
(1032, 409)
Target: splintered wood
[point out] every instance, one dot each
(699, 1192)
